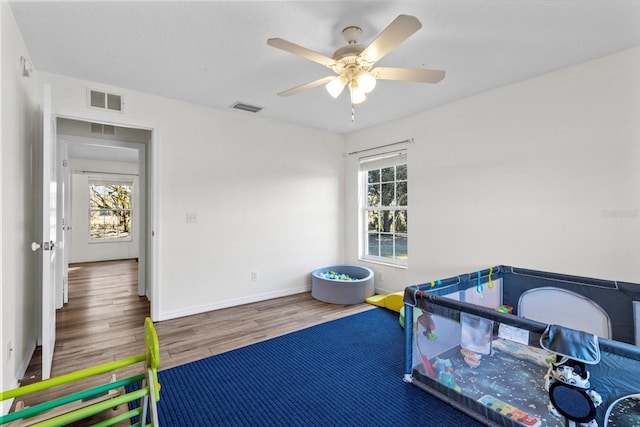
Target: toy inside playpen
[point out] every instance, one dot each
(521, 347)
(78, 406)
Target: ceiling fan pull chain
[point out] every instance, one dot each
(353, 113)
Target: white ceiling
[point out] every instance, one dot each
(215, 52)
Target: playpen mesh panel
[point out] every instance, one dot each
(463, 357)
(493, 364)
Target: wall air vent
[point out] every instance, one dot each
(246, 107)
(104, 100)
(99, 128)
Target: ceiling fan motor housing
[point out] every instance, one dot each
(348, 56)
(350, 50)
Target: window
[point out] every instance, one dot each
(110, 211)
(384, 207)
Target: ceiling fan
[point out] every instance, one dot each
(354, 63)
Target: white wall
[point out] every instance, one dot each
(82, 249)
(543, 174)
(18, 124)
(268, 197)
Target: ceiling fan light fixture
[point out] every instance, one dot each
(335, 86)
(366, 82)
(357, 95)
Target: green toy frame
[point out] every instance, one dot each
(150, 387)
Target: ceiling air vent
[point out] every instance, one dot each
(104, 100)
(246, 107)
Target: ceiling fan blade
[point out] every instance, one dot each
(306, 86)
(408, 74)
(398, 31)
(300, 51)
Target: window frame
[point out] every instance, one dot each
(130, 182)
(380, 162)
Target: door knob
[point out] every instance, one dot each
(47, 246)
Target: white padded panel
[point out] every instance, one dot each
(561, 307)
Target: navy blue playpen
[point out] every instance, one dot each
(512, 346)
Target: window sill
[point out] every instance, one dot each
(93, 242)
(387, 264)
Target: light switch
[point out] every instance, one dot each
(192, 217)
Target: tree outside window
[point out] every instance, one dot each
(385, 209)
(110, 211)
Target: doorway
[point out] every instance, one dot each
(102, 156)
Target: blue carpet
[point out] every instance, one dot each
(347, 372)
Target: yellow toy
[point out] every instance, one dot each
(393, 301)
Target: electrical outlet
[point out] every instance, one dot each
(254, 276)
(380, 277)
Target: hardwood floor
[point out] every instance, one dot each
(103, 322)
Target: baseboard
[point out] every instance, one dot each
(24, 365)
(174, 314)
(380, 291)
(5, 405)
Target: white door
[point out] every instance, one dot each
(64, 221)
(48, 244)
